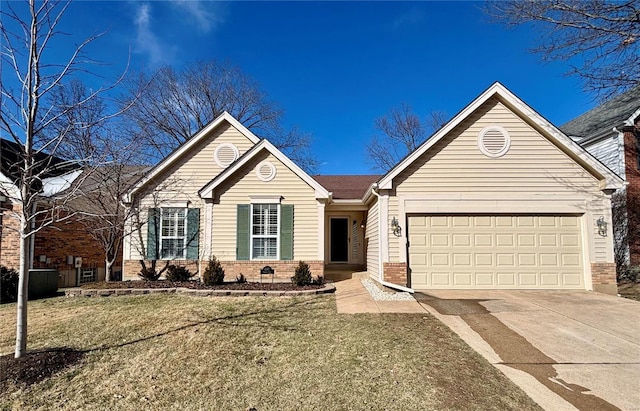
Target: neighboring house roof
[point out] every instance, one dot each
(48, 165)
(187, 145)
(609, 179)
(207, 190)
(613, 113)
(347, 187)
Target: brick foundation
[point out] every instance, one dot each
(603, 277)
(251, 269)
(395, 273)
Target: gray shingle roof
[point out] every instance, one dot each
(604, 117)
(346, 187)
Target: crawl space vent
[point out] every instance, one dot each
(494, 141)
(266, 171)
(225, 154)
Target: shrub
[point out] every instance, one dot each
(213, 274)
(8, 285)
(241, 279)
(149, 274)
(633, 273)
(302, 275)
(178, 273)
(319, 280)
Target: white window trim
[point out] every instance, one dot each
(277, 236)
(184, 237)
(257, 199)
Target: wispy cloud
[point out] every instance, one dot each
(147, 42)
(411, 17)
(206, 15)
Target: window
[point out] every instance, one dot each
(264, 231)
(173, 224)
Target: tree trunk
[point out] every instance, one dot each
(108, 264)
(23, 293)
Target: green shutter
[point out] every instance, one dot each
(242, 232)
(286, 232)
(193, 233)
(153, 221)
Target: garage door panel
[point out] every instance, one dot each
(501, 251)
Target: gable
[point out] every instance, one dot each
(532, 165)
(203, 156)
(498, 93)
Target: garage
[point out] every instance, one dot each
(501, 251)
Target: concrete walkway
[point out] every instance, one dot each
(568, 350)
(353, 298)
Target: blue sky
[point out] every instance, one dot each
(334, 67)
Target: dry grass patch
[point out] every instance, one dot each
(629, 290)
(178, 352)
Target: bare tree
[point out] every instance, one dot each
(27, 32)
(402, 132)
(177, 104)
(600, 39)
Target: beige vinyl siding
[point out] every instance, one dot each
(533, 166)
(394, 241)
(239, 188)
(371, 232)
(181, 182)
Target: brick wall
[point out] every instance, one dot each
(395, 273)
(603, 277)
(10, 239)
(251, 269)
(631, 135)
(69, 238)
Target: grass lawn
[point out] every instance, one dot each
(178, 352)
(629, 290)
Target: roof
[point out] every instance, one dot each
(608, 178)
(187, 145)
(604, 117)
(208, 189)
(48, 165)
(347, 187)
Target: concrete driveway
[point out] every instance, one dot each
(567, 350)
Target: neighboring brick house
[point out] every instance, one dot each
(55, 246)
(610, 132)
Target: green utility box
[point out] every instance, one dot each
(42, 283)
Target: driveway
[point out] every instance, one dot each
(567, 350)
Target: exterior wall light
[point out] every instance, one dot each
(395, 227)
(602, 226)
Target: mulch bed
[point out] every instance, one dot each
(196, 285)
(35, 366)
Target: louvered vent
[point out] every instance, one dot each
(494, 141)
(225, 154)
(266, 171)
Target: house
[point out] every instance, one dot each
(610, 132)
(58, 245)
(498, 198)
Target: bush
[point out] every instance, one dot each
(8, 285)
(149, 274)
(213, 274)
(178, 273)
(302, 275)
(319, 280)
(633, 273)
(241, 279)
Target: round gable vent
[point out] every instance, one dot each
(494, 141)
(266, 171)
(225, 154)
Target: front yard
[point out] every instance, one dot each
(179, 352)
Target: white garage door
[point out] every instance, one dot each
(495, 252)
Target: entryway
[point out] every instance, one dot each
(339, 240)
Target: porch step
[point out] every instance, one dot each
(340, 275)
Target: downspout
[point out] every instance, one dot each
(380, 266)
(32, 240)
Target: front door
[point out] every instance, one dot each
(339, 240)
